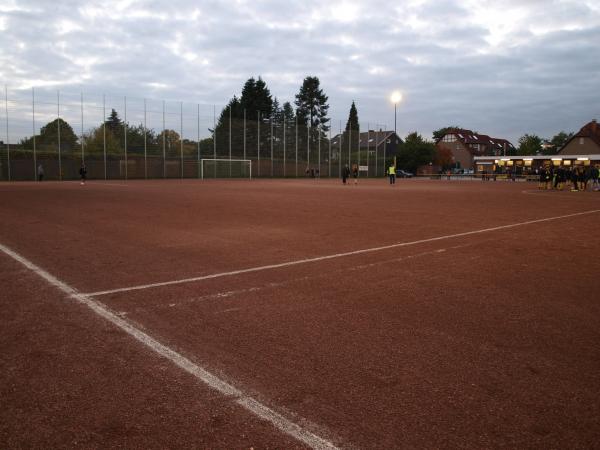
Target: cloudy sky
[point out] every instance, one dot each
(500, 67)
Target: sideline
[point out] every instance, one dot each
(336, 255)
(247, 402)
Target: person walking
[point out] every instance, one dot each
(40, 172)
(83, 173)
(392, 173)
(345, 173)
(355, 173)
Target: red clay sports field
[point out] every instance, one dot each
(299, 313)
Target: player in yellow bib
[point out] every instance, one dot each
(392, 174)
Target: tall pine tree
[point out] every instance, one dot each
(311, 104)
(350, 138)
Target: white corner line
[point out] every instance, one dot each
(250, 404)
(336, 255)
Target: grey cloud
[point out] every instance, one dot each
(539, 79)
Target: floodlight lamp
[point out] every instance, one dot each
(396, 97)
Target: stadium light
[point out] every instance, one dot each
(395, 99)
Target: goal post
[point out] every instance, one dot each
(225, 168)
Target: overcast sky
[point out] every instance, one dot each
(500, 67)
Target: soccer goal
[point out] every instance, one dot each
(225, 168)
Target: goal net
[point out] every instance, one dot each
(225, 168)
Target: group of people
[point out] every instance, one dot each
(578, 178)
(82, 173)
(391, 172)
(346, 173)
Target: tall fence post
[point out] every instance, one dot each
(164, 132)
(258, 144)
(271, 147)
(368, 146)
(340, 152)
(104, 131)
(181, 135)
(296, 146)
(214, 140)
(33, 135)
(329, 158)
(319, 152)
(198, 141)
(82, 144)
(125, 132)
(58, 123)
(284, 149)
(145, 143)
(7, 136)
(244, 144)
(308, 145)
(358, 148)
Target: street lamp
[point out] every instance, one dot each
(395, 99)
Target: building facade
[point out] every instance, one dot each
(586, 142)
(465, 145)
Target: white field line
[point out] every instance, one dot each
(336, 255)
(250, 404)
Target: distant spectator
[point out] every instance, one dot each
(595, 177)
(40, 172)
(83, 173)
(355, 173)
(345, 173)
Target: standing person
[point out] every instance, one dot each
(345, 173)
(355, 173)
(581, 178)
(40, 172)
(542, 182)
(549, 176)
(83, 173)
(392, 174)
(595, 176)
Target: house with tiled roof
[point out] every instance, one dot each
(586, 142)
(466, 144)
(383, 142)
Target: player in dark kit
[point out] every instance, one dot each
(83, 173)
(345, 173)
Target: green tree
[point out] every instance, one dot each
(255, 97)
(113, 123)
(558, 141)
(415, 152)
(257, 102)
(288, 113)
(350, 136)
(48, 137)
(438, 134)
(229, 123)
(311, 104)
(529, 144)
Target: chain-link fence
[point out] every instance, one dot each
(50, 133)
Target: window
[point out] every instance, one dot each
(581, 141)
(449, 138)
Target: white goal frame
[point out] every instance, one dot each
(217, 160)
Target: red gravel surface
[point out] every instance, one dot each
(482, 340)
